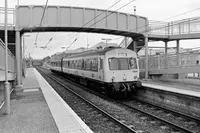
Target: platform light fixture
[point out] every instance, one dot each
(24, 36)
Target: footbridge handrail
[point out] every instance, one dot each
(11, 16)
(185, 26)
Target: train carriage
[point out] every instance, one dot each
(114, 69)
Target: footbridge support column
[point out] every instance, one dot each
(181, 75)
(18, 85)
(177, 51)
(166, 62)
(21, 61)
(146, 58)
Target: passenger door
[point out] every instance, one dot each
(100, 68)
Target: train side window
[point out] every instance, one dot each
(76, 64)
(88, 64)
(66, 63)
(197, 62)
(94, 64)
(83, 64)
(72, 64)
(79, 64)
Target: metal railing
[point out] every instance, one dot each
(11, 58)
(11, 16)
(185, 26)
(186, 59)
(122, 44)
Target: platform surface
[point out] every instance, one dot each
(186, 89)
(29, 114)
(30, 82)
(39, 109)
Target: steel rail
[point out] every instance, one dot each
(197, 119)
(174, 126)
(89, 103)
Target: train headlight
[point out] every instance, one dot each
(135, 77)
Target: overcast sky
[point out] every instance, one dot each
(152, 9)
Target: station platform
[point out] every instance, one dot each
(39, 109)
(174, 86)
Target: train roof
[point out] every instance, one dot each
(94, 52)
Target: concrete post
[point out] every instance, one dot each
(166, 62)
(18, 78)
(146, 58)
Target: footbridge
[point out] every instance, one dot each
(137, 29)
(179, 64)
(32, 18)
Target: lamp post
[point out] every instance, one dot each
(7, 85)
(107, 39)
(24, 64)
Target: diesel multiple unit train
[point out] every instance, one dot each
(113, 70)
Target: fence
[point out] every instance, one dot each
(189, 59)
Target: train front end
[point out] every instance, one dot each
(122, 72)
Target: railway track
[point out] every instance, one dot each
(165, 116)
(182, 124)
(86, 105)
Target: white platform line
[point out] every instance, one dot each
(30, 90)
(63, 115)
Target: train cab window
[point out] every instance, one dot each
(113, 64)
(132, 63)
(123, 64)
